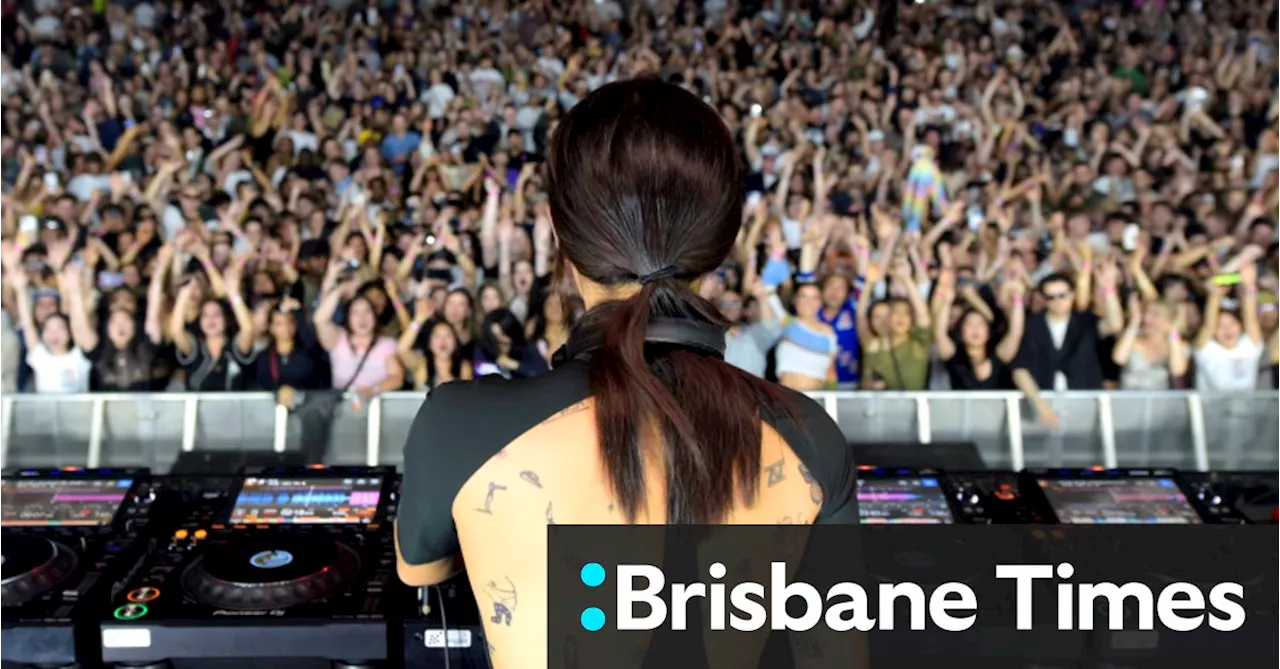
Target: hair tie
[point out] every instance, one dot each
(665, 272)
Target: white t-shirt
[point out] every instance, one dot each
(1230, 369)
(1058, 332)
(66, 373)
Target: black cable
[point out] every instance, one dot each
(444, 622)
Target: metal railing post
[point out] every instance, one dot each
(1013, 410)
(6, 430)
(832, 404)
(281, 428)
(190, 413)
(924, 420)
(1106, 423)
(97, 416)
(1199, 442)
(373, 436)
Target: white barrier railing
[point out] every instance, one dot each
(1238, 430)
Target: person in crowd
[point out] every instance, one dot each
(292, 362)
(503, 349)
(1060, 349)
(57, 361)
(360, 359)
(441, 360)
(217, 352)
(1150, 351)
(748, 341)
(975, 359)
(1229, 345)
(807, 349)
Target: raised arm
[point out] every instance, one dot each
(1249, 301)
(1008, 347)
(327, 332)
(153, 326)
(1209, 323)
(244, 317)
(944, 296)
(1124, 344)
(17, 279)
(70, 285)
(182, 340)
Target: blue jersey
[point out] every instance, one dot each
(845, 323)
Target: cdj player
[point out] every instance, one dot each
(71, 539)
(1230, 497)
(932, 497)
(289, 567)
(1100, 496)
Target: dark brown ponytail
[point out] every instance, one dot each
(644, 182)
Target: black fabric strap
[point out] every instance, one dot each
(705, 338)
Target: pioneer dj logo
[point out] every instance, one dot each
(271, 559)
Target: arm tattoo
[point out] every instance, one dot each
(576, 407)
(815, 489)
(488, 498)
(504, 601)
(531, 477)
(490, 647)
(786, 520)
(550, 520)
(776, 472)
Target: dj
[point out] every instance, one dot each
(641, 421)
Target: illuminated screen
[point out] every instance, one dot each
(298, 501)
(1148, 501)
(918, 501)
(45, 502)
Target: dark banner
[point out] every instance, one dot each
(913, 596)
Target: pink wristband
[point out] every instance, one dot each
(1108, 291)
(1086, 267)
(1017, 302)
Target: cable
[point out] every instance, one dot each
(444, 622)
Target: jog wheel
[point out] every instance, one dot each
(31, 566)
(271, 571)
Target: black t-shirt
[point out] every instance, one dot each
(462, 425)
(229, 371)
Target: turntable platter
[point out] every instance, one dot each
(31, 565)
(271, 571)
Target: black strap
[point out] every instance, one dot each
(363, 359)
(706, 338)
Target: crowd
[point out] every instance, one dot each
(339, 194)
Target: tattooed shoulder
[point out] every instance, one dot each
(576, 407)
(777, 472)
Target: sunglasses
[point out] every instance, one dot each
(1056, 296)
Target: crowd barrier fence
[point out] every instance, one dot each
(1187, 430)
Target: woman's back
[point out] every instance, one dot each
(490, 464)
(642, 421)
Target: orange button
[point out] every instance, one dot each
(372, 526)
(201, 533)
(143, 595)
(1005, 495)
(219, 526)
(180, 534)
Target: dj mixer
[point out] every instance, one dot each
(71, 538)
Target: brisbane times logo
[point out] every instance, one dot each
(644, 600)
